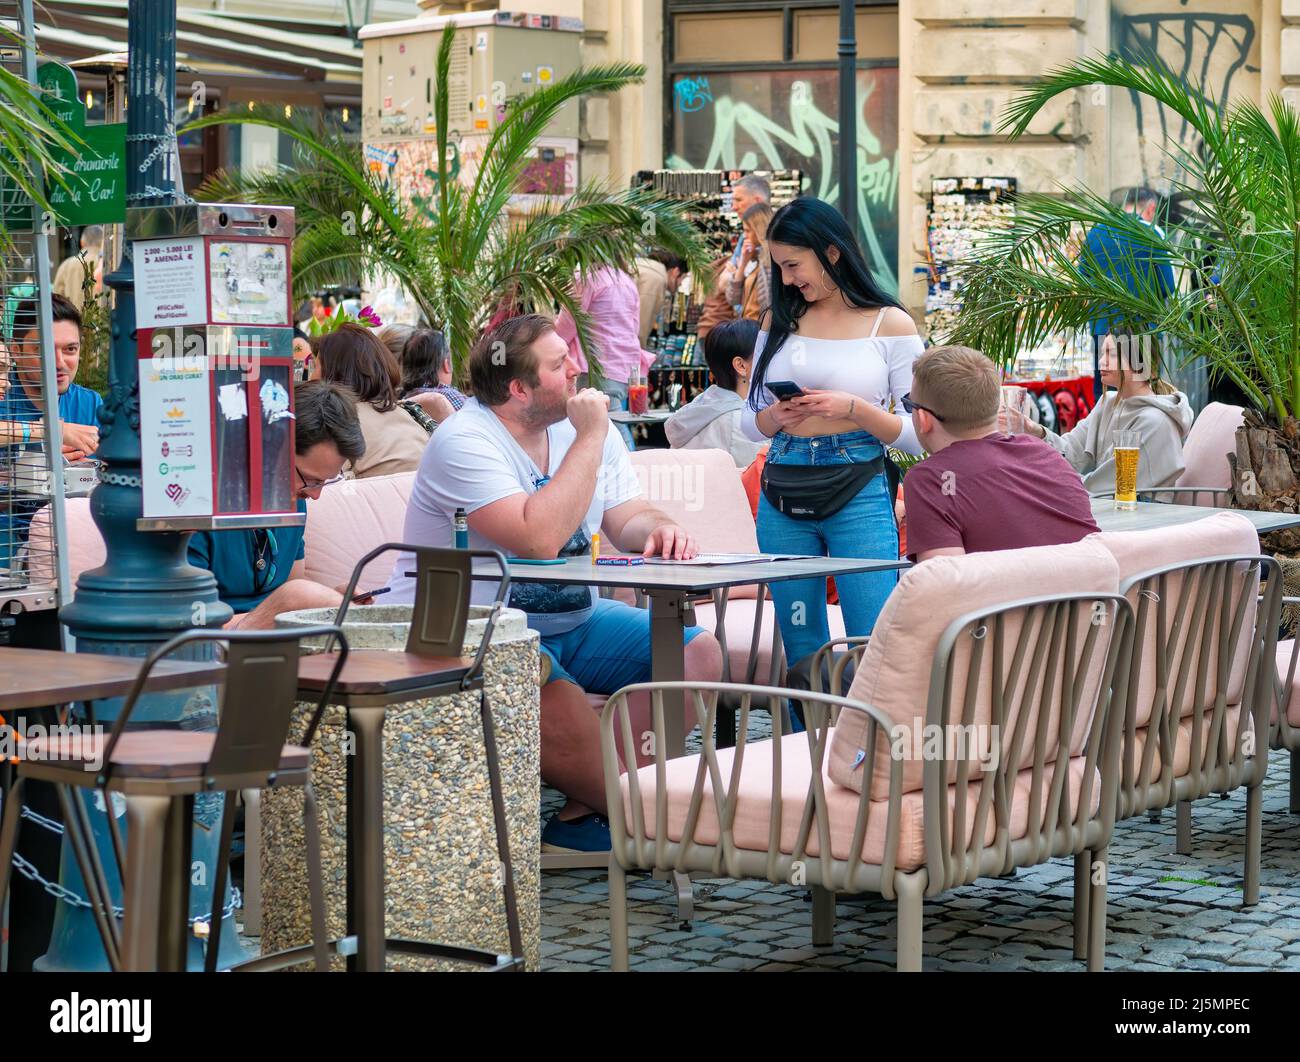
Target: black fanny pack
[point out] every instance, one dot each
(807, 492)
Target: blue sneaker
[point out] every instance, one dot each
(590, 833)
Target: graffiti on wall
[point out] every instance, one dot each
(787, 120)
(1212, 48)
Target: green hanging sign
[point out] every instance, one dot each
(95, 172)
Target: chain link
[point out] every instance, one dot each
(41, 820)
(69, 897)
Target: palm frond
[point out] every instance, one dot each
(1233, 243)
(468, 250)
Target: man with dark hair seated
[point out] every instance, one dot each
(260, 572)
(22, 404)
(539, 469)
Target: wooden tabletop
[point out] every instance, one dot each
(1159, 514)
(379, 671)
(36, 678)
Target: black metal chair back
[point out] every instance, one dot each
(443, 580)
(257, 698)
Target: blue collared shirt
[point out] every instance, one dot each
(77, 405)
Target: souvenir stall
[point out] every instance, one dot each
(680, 372)
(1057, 374)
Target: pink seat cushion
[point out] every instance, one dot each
(1223, 534)
(751, 827)
(740, 633)
(896, 668)
(1284, 651)
(702, 492)
(350, 519)
(85, 549)
(1182, 746)
(1205, 453)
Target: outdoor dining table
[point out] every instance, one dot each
(36, 678)
(670, 587)
(650, 416)
(1147, 515)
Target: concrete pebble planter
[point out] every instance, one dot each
(441, 868)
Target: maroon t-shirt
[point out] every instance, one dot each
(998, 492)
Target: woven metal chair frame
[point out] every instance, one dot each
(1218, 497)
(1195, 616)
(1059, 640)
(1282, 733)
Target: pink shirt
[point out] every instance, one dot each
(611, 300)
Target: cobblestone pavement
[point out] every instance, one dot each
(1166, 911)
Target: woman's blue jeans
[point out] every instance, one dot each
(863, 528)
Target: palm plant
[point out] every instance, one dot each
(1233, 244)
(29, 134)
(458, 254)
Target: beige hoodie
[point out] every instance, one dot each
(1162, 423)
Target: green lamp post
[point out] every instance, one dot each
(146, 591)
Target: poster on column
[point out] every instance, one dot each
(169, 282)
(249, 282)
(175, 437)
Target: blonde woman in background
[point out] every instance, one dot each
(748, 287)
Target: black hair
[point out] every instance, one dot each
(422, 357)
(731, 339)
(27, 315)
(327, 412)
(670, 261)
(808, 222)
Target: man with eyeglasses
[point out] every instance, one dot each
(22, 403)
(981, 489)
(259, 572)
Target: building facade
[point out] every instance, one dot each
(753, 83)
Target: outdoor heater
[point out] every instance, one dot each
(213, 291)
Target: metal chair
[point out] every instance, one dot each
(1284, 734)
(1215, 497)
(1032, 654)
(1204, 635)
(432, 665)
(158, 773)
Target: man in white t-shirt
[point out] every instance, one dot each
(539, 468)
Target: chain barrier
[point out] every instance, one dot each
(71, 898)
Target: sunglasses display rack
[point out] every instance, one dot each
(710, 196)
(961, 211)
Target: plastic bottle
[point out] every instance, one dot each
(462, 529)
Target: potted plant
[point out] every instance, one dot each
(1232, 240)
(458, 253)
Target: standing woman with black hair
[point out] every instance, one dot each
(847, 348)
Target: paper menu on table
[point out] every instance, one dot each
(709, 559)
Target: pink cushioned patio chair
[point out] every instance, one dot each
(873, 803)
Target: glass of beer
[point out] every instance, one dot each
(1013, 408)
(1126, 469)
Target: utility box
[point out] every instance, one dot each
(500, 57)
(214, 319)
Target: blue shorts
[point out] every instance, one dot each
(611, 650)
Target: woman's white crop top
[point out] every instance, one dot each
(877, 368)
